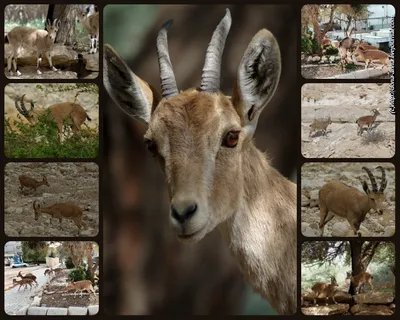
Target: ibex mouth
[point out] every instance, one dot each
(195, 236)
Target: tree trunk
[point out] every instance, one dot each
(368, 253)
(66, 14)
(89, 247)
(355, 251)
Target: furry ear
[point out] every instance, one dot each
(257, 78)
(129, 92)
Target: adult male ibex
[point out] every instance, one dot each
(360, 280)
(336, 198)
(40, 41)
(215, 174)
(60, 112)
(325, 289)
(31, 183)
(66, 210)
(367, 121)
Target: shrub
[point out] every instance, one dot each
(309, 45)
(69, 264)
(41, 140)
(331, 51)
(373, 137)
(77, 275)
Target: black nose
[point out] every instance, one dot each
(182, 215)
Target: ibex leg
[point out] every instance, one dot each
(39, 61)
(48, 55)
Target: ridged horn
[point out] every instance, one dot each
(167, 77)
(383, 180)
(210, 78)
(372, 178)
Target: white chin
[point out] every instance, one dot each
(194, 237)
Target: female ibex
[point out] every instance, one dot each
(31, 183)
(60, 112)
(360, 280)
(91, 24)
(28, 276)
(40, 41)
(215, 174)
(336, 198)
(325, 289)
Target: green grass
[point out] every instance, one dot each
(41, 140)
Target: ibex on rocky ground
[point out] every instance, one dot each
(30, 183)
(40, 41)
(325, 289)
(320, 125)
(60, 112)
(91, 24)
(215, 174)
(367, 121)
(66, 210)
(336, 198)
(360, 280)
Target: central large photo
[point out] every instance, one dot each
(200, 141)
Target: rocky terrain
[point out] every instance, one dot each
(49, 96)
(65, 59)
(344, 104)
(315, 175)
(69, 182)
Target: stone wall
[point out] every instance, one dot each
(71, 311)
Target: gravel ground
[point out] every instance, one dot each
(15, 300)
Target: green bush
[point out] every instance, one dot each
(41, 140)
(331, 51)
(77, 275)
(69, 264)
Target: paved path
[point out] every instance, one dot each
(15, 300)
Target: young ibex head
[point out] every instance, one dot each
(45, 182)
(31, 115)
(198, 135)
(376, 196)
(52, 28)
(334, 282)
(376, 112)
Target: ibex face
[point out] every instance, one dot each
(200, 136)
(31, 115)
(376, 197)
(52, 29)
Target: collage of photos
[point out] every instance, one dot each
(199, 168)
(47, 125)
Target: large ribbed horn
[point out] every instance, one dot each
(210, 77)
(18, 107)
(23, 104)
(372, 178)
(167, 77)
(383, 180)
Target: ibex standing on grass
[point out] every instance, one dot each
(215, 174)
(360, 280)
(336, 198)
(60, 112)
(367, 121)
(91, 24)
(31, 183)
(66, 210)
(325, 289)
(40, 41)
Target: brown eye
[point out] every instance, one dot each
(152, 146)
(231, 139)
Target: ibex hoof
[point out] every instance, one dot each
(359, 233)
(38, 72)
(54, 68)
(18, 73)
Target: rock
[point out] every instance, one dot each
(332, 59)
(323, 59)
(37, 311)
(92, 62)
(19, 210)
(392, 306)
(333, 309)
(36, 302)
(389, 231)
(341, 229)
(77, 311)
(308, 232)
(314, 198)
(316, 59)
(304, 201)
(93, 310)
(374, 298)
(363, 309)
(309, 59)
(343, 297)
(57, 311)
(23, 311)
(9, 210)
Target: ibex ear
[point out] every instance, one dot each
(257, 78)
(128, 91)
(58, 25)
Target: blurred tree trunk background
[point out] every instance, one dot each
(146, 270)
(66, 14)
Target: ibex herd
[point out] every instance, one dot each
(215, 175)
(336, 198)
(41, 41)
(61, 113)
(26, 280)
(321, 125)
(66, 210)
(329, 289)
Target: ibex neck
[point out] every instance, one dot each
(262, 233)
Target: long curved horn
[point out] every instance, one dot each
(210, 78)
(372, 178)
(383, 180)
(23, 104)
(54, 22)
(18, 108)
(167, 77)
